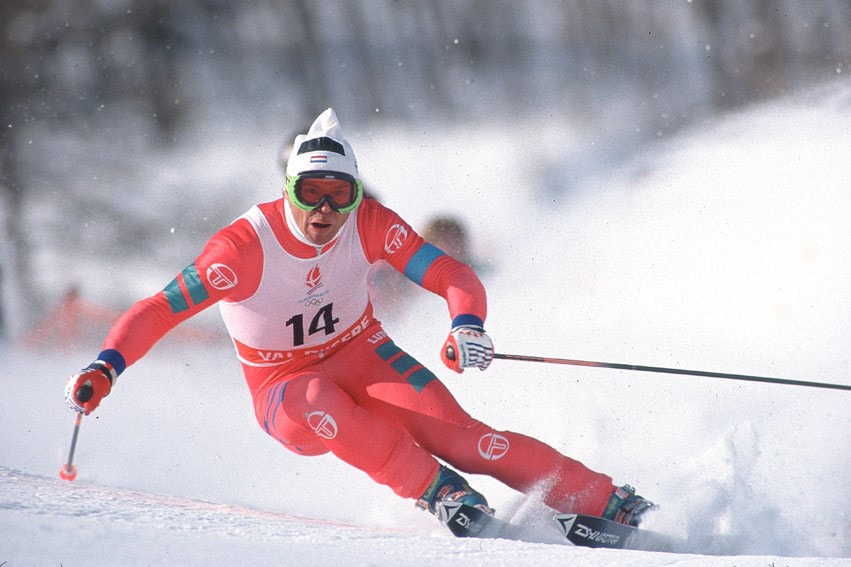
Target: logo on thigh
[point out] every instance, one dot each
(493, 446)
(323, 424)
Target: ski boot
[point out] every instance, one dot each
(448, 485)
(626, 507)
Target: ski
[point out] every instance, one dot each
(467, 521)
(591, 531)
(577, 529)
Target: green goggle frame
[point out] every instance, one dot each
(294, 192)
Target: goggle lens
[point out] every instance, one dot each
(309, 191)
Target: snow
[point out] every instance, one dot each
(723, 249)
(45, 520)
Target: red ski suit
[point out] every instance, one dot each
(325, 376)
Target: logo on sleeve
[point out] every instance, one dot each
(395, 238)
(493, 446)
(322, 424)
(221, 276)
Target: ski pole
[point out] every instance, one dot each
(703, 373)
(69, 471)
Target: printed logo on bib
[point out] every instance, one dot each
(395, 238)
(323, 424)
(221, 276)
(493, 446)
(313, 281)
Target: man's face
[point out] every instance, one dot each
(321, 225)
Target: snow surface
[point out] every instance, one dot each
(723, 249)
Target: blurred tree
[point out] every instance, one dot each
(60, 62)
(762, 48)
(163, 46)
(19, 81)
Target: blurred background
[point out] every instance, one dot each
(132, 130)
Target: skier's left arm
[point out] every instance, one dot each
(468, 345)
(394, 241)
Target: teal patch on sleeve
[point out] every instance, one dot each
(387, 350)
(416, 267)
(194, 285)
(175, 298)
(420, 378)
(404, 363)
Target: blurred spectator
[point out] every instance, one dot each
(79, 322)
(447, 233)
(74, 321)
(390, 290)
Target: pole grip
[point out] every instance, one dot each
(84, 393)
(450, 352)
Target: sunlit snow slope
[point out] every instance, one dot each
(725, 249)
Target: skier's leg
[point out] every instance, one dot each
(520, 461)
(310, 414)
(402, 391)
(267, 407)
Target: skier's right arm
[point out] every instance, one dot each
(227, 268)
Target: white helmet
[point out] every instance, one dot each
(323, 148)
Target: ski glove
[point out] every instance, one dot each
(85, 389)
(467, 346)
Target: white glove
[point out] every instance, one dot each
(467, 346)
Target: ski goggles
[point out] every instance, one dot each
(312, 189)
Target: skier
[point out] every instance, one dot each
(290, 278)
